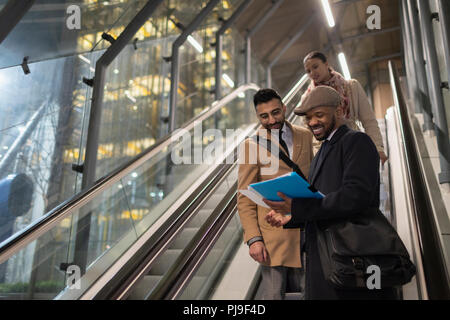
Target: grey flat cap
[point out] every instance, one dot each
(321, 96)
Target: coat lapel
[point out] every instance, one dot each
(296, 144)
(316, 166)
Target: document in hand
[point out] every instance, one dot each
(291, 184)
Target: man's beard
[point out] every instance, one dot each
(280, 123)
(328, 131)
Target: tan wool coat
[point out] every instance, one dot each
(283, 245)
(361, 110)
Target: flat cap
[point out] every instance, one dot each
(321, 96)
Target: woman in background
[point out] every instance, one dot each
(354, 100)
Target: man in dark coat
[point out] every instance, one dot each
(346, 171)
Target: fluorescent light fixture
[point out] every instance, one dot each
(241, 95)
(328, 13)
(197, 46)
(84, 59)
(129, 96)
(92, 69)
(344, 66)
(134, 174)
(228, 80)
(295, 87)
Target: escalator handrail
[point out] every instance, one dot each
(25, 236)
(424, 226)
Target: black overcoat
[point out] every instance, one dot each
(347, 173)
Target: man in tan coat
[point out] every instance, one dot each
(276, 249)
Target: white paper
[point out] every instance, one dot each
(255, 197)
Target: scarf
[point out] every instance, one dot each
(338, 83)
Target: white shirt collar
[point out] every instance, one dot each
(332, 134)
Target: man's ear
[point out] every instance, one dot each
(284, 108)
(339, 112)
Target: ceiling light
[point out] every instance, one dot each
(328, 13)
(195, 44)
(129, 96)
(344, 66)
(228, 80)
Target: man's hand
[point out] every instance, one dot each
(276, 219)
(283, 207)
(258, 252)
(383, 157)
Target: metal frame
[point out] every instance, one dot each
(226, 25)
(408, 52)
(381, 58)
(90, 163)
(444, 11)
(248, 47)
(369, 34)
(294, 38)
(441, 126)
(421, 93)
(175, 60)
(11, 14)
(433, 273)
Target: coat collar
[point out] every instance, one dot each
(296, 140)
(317, 166)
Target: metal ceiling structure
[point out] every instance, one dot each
(367, 51)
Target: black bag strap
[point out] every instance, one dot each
(284, 157)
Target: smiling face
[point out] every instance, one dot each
(323, 120)
(271, 114)
(317, 70)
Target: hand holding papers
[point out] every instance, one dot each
(291, 184)
(288, 186)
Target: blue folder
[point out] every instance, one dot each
(292, 185)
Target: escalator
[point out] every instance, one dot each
(204, 265)
(187, 203)
(186, 245)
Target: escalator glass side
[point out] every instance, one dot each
(43, 133)
(121, 213)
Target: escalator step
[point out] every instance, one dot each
(165, 262)
(184, 237)
(143, 288)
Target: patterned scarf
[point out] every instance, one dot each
(337, 82)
